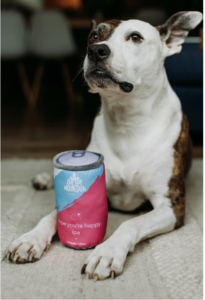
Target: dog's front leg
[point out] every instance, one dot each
(30, 246)
(108, 258)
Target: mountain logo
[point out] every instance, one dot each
(74, 184)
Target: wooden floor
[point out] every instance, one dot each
(27, 134)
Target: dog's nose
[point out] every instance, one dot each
(98, 52)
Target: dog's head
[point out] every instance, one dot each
(123, 54)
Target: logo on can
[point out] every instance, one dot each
(74, 184)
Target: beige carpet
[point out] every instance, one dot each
(167, 266)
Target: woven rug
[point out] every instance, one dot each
(169, 266)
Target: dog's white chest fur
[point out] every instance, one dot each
(125, 185)
(135, 150)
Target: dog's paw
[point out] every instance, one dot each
(107, 260)
(43, 181)
(28, 248)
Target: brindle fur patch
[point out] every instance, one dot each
(182, 163)
(113, 25)
(104, 30)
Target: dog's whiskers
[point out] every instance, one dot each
(78, 72)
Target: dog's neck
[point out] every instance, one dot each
(124, 112)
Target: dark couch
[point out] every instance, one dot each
(185, 73)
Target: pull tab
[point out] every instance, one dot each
(77, 154)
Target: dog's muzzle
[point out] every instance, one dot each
(97, 54)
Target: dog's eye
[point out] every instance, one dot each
(93, 37)
(135, 37)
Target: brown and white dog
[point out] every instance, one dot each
(142, 133)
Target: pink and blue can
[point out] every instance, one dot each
(81, 201)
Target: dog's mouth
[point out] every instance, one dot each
(103, 78)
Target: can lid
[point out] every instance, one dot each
(77, 160)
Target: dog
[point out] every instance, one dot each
(142, 133)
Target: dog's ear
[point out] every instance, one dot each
(175, 30)
(93, 25)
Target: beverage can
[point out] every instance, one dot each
(81, 201)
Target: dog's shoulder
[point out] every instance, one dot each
(182, 163)
(183, 148)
